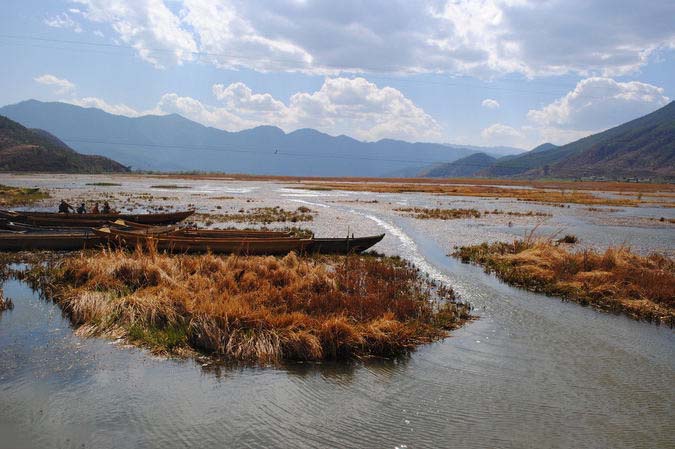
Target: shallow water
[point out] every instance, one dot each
(531, 372)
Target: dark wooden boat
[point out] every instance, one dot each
(196, 232)
(190, 244)
(48, 240)
(343, 245)
(92, 220)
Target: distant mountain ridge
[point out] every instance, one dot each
(36, 150)
(174, 143)
(465, 167)
(642, 148)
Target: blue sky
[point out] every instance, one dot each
(489, 72)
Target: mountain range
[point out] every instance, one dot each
(640, 148)
(174, 143)
(23, 149)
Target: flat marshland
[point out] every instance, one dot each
(615, 280)
(255, 309)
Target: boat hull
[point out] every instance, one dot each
(92, 220)
(343, 245)
(181, 244)
(51, 241)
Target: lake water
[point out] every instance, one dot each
(532, 371)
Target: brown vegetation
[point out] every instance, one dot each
(489, 191)
(616, 280)
(255, 309)
(423, 213)
(5, 303)
(263, 215)
(20, 196)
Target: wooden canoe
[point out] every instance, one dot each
(47, 240)
(92, 220)
(343, 245)
(188, 244)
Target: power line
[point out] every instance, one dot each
(231, 148)
(372, 71)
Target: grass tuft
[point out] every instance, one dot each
(615, 280)
(255, 309)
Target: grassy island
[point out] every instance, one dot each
(615, 280)
(253, 309)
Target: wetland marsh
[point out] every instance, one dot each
(530, 371)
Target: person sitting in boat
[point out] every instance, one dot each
(65, 208)
(95, 210)
(82, 209)
(106, 208)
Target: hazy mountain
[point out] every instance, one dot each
(543, 147)
(644, 147)
(172, 142)
(465, 167)
(23, 149)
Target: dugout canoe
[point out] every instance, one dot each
(343, 245)
(212, 233)
(192, 244)
(92, 220)
(48, 240)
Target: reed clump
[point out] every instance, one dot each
(423, 213)
(264, 215)
(20, 196)
(5, 303)
(255, 309)
(615, 280)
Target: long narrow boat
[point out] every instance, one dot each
(196, 232)
(182, 244)
(343, 245)
(92, 220)
(48, 240)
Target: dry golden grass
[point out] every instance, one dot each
(255, 309)
(617, 280)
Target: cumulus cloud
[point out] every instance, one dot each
(354, 107)
(93, 102)
(60, 85)
(594, 105)
(485, 37)
(149, 26)
(598, 103)
(500, 134)
(490, 103)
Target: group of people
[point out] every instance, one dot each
(65, 208)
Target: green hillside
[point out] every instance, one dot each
(644, 147)
(23, 149)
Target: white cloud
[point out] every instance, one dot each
(63, 20)
(475, 37)
(93, 102)
(599, 103)
(60, 85)
(149, 26)
(490, 103)
(500, 134)
(594, 105)
(353, 107)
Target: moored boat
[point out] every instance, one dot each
(92, 220)
(343, 245)
(192, 244)
(48, 240)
